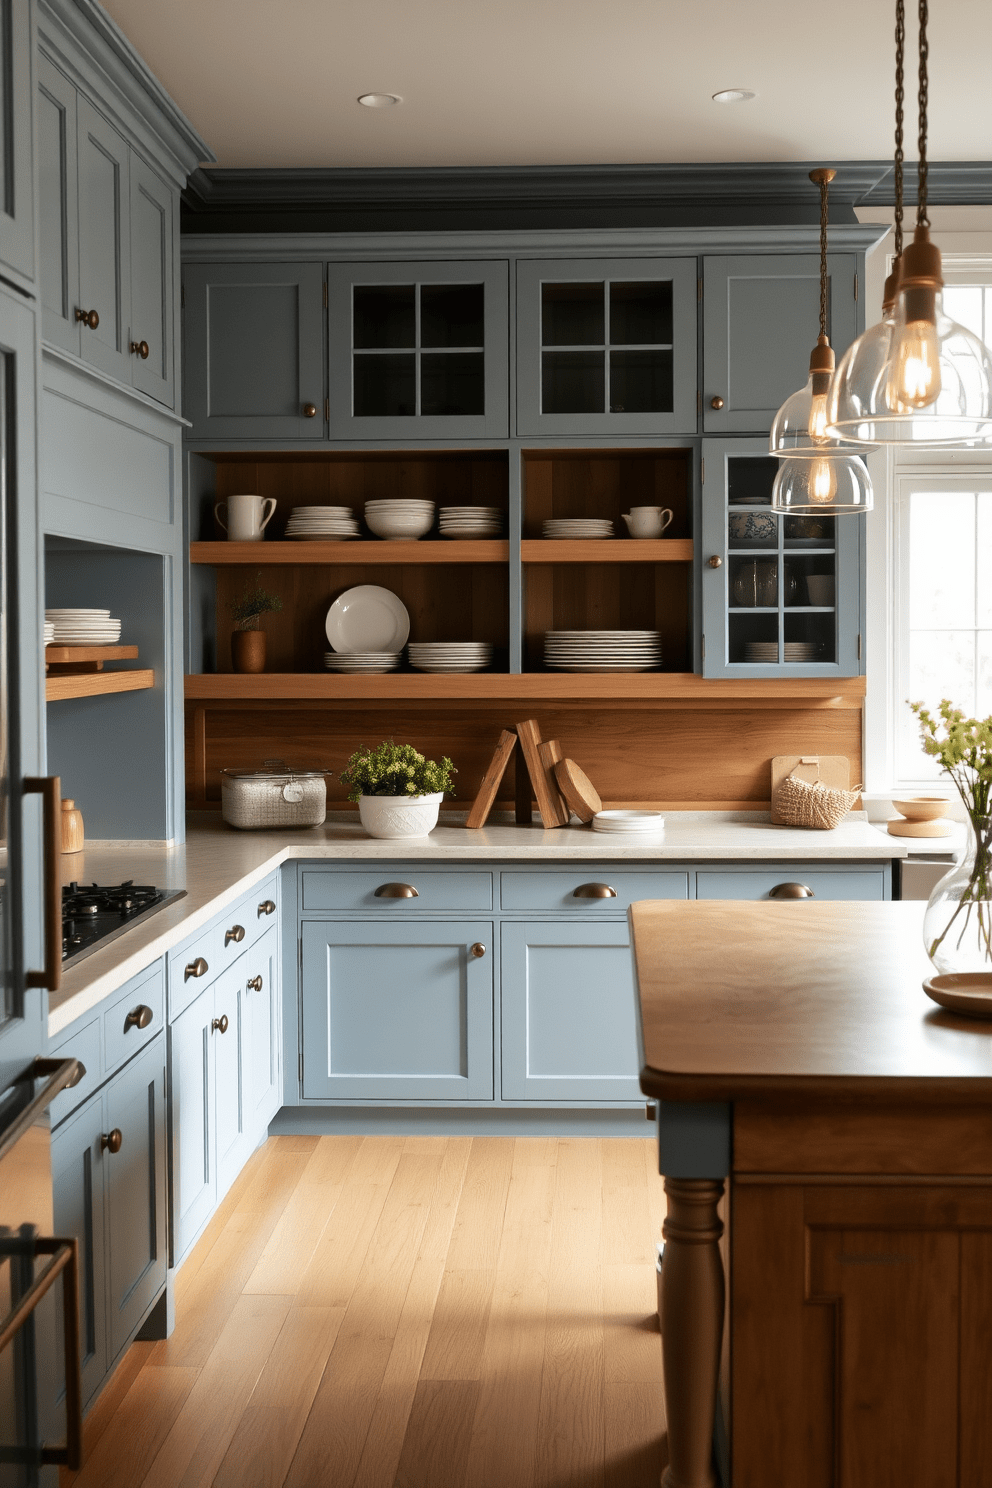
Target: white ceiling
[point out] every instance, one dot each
(532, 82)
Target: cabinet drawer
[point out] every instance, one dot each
(122, 1033)
(83, 1045)
(557, 890)
(435, 891)
(757, 883)
(232, 932)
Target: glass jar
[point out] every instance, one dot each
(957, 924)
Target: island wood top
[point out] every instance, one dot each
(794, 998)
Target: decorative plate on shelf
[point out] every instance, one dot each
(968, 992)
(368, 618)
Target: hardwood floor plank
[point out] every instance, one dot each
(636, 1444)
(141, 1422)
(294, 1240)
(103, 1412)
(630, 1314)
(436, 1446)
(479, 1222)
(628, 1228)
(458, 1331)
(340, 1253)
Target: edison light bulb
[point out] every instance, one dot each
(822, 481)
(914, 374)
(818, 418)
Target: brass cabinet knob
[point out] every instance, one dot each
(594, 891)
(138, 1017)
(716, 403)
(236, 933)
(309, 410)
(477, 950)
(221, 1024)
(88, 317)
(196, 968)
(112, 1141)
(716, 561)
(255, 984)
(396, 891)
(266, 907)
(140, 348)
(791, 891)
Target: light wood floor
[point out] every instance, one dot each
(424, 1312)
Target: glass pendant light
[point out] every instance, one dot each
(917, 378)
(819, 472)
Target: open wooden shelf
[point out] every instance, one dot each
(74, 655)
(607, 550)
(93, 684)
(422, 551)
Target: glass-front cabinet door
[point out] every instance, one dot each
(417, 350)
(781, 595)
(606, 346)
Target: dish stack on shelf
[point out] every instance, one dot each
(399, 520)
(49, 632)
(367, 628)
(627, 823)
(450, 656)
(470, 521)
(794, 651)
(311, 523)
(602, 650)
(567, 529)
(82, 628)
(362, 661)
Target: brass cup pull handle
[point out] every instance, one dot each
(477, 950)
(791, 891)
(221, 1024)
(140, 348)
(196, 968)
(716, 403)
(594, 891)
(236, 933)
(88, 317)
(255, 984)
(266, 907)
(112, 1141)
(716, 561)
(138, 1017)
(396, 891)
(309, 410)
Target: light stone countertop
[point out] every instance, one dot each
(218, 864)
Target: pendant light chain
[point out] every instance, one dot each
(922, 216)
(900, 99)
(824, 189)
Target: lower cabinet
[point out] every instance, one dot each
(263, 1010)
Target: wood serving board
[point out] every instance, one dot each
(578, 790)
(834, 770)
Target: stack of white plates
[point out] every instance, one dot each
(629, 823)
(450, 656)
(768, 651)
(310, 523)
(362, 661)
(49, 632)
(568, 528)
(470, 521)
(399, 520)
(602, 650)
(84, 628)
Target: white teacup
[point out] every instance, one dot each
(647, 521)
(246, 517)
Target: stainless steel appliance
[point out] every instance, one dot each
(93, 914)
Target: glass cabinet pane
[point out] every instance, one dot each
(573, 382)
(385, 316)
(452, 383)
(641, 381)
(573, 315)
(446, 380)
(386, 385)
(452, 315)
(641, 313)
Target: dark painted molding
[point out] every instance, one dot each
(496, 197)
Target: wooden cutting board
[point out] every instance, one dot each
(834, 770)
(578, 790)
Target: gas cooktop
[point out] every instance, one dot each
(94, 914)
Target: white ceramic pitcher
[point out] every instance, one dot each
(246, 517)
(647, 521)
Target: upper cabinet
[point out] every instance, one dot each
(760, 321)
(606, 346)
(16, 184)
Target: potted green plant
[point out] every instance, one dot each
(399, 792)
(248, 637)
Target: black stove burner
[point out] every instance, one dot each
(94, 913)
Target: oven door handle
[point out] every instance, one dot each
(64, 1252)
(49, 787)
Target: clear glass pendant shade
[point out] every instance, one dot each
(799, 429)
(825, 486)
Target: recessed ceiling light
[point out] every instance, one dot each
(733, 95)
(379, 100)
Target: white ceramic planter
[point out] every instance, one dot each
(399, 816)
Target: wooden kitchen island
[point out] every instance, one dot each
(825, 1132)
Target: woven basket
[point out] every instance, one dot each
(805, 803)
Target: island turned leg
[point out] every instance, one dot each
(692, 1297)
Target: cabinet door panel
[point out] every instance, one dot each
(58, 230)
(78, 1169)
(254, 350)
(16, 188)
(263, 1077)
(104, 249)
(191, 1093)
(568, 1013)
(760, 321)
(232, 1067)
(136, 1204)
(151, 282)
(401, 1011)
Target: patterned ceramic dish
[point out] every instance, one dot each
(752, 526)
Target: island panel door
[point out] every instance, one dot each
(398, 1011)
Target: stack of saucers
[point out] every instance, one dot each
(470, 521)
(84, 628)
(49, 632)
(311, 523)
(602, 650)
(362, 661)
(570, 528)
(401, 519)
(768, 651)
(627, 823)
(450, 656)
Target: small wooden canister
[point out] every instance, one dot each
(72, 827)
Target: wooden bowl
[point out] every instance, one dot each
(922, 808)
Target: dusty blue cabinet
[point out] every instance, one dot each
(17, 232)
(254, 350)
(259, 974)
(232, 1071)
(191, 1101)
(78, 1164)
(760, 320)
(151, 340)
(822, 881)
(58, 206)
(104, 242)
(397, 1011)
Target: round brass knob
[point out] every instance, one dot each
(221, 1024)
(196, 968)
(112, 1141)
(140, 348)
(236, 933)
(396, 891)
(138, 1017)
(255, 984)
(791, 891)
(716, 403)
(88, 317)
(309, 410)
(266, 907)
(477, 950)
(716, 561)
(594, 891)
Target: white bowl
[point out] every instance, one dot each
(399, 528)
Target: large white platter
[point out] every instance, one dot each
(368, 618)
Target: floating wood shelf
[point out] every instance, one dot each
(357, 552)
(75, 655)
(608, 550)
(77, 671)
